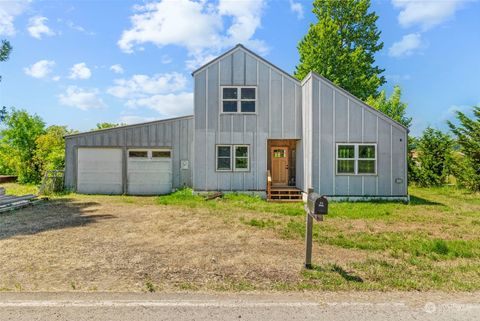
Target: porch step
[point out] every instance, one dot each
(285, 194)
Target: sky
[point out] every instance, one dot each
(79, 63)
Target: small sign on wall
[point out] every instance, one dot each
(184, 164)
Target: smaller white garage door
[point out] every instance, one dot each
(149, 172)
(99, 171)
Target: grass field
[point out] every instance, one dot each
(183, 242)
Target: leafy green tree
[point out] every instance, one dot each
(393, 107)
(106, 125)
(435, 151)
(50, 149)
(3, 114)
(19, 139)
(341, 46)
(5, 50)
(468, 137)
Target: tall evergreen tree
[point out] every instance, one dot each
(468, 137)
(341, 46)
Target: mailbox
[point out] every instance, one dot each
(317, 205)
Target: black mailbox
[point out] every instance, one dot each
(317, 205)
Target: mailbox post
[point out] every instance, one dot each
(315, 208)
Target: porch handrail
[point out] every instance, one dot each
(269, 183)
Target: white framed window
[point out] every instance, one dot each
(224, 157)
(233, 158)
(356, 159)
(241, 156)
(239, 99)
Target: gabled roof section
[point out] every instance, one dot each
(100, 131)
(249, 52)
(351, 96)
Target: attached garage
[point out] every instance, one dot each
(149, 172)
(99, 171)
(151, 158)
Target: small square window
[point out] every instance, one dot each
(248, 106)
(366, 151)
(138, 154)
(248, 93)
(160, 154)
(241, 158)
(346, 166)
(366, 166)
(230, 93)
(346, 151)
(229, 106)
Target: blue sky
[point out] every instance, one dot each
(78, 63)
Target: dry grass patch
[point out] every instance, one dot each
(182, 242)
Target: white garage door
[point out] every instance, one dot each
(99, 171)
(149, 172)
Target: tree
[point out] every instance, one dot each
(468, 137)
(3, 114)
(5, 50)
(341, 46)
(393, 107)
(50, 149)
(106, 125)
(19, 139)
(435, 150)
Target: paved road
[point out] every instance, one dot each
(256, 306)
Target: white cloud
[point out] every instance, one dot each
(135, 119)
(37, 27)
(142, 85)
(8, 11)
(169, 105)
(426, 14)
(297, 8)
(406, 46)
(118, 69)
(56, 78)
(81, 98)
(80, 71)
(170, 23)
(40, 69)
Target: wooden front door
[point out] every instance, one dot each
(279, 162)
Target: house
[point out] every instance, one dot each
(255, 128)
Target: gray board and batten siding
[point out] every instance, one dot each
(175, 134)
(278, 116)
(332, 115)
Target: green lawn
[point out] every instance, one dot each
(433, 243)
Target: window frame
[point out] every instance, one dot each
(238, 100)
(235, 169)
(216, 158)
(356, 158)
(233, 157)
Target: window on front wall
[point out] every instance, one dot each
(239, 99)
(356, 159)
(233, 157)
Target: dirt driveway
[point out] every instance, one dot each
(106, 244)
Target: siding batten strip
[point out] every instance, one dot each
(269, 102)
(363, 129)
(334, 143)
(282, 115)
(256, 134)
(391, 159)
(206, 129)
(376, 177)
(348, 141)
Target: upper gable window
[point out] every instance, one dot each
(239, 99)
